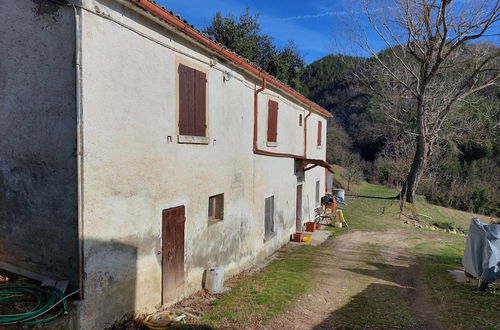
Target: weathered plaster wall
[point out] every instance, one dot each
(132, 171)
(38, 171)
(290, 138)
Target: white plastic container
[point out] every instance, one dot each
(214, 281)
(339, 192)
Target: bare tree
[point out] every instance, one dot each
(354, 173)
(431, 67)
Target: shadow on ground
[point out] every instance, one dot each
(395, 300)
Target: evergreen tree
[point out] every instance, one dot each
(243, 36)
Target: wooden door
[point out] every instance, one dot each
(298, 209)
(172, 252)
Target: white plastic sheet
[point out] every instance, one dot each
(482, 251)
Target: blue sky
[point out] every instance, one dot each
(313, 25)
(318, 27)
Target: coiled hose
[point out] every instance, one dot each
(46, 298)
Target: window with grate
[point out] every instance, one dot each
(317, 193)
(269, 217)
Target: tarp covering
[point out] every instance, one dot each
(482, 251)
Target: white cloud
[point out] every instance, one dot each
(323, 14)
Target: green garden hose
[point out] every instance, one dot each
(45, 298)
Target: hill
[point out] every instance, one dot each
(464, 171)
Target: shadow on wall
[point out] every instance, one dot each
(38, 218)
(380, 306)
(38, 164)
(109, 283)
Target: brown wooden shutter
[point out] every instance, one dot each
(272, 121)
(319, 132)
(186, 100)
(200, 124)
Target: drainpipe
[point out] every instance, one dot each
(79, 142)
(256, 113)
(305, 129)
(258, 151)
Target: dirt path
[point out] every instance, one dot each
(363, 274)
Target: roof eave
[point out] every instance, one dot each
(190, 31)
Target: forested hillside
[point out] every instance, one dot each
(464, 170)
(375, 126)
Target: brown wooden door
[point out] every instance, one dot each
(298, 209)
(172, 252)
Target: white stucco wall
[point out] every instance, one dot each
(131, 172)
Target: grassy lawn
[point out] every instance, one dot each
(441, 214)
(266, 293)
(460, 303)
(372, 214)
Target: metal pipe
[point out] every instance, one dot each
(305, 129)
(79, 142)
(256, 112)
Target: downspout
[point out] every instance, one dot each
(305, 130)
(79, 142)
(256, 113)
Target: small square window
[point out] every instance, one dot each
(269, 217)
(216, 208)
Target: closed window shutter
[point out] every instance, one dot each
(272, 121)
(200, 82)
(319, 132)
(186, 100)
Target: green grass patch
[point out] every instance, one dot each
(379, 306)
(334, 231)
(369, 214)
(460, 303)
(375, 190)
(443, 224)
(266, 293)
(448, 225)
(337, 232)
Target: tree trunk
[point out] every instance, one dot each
(422, 154)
